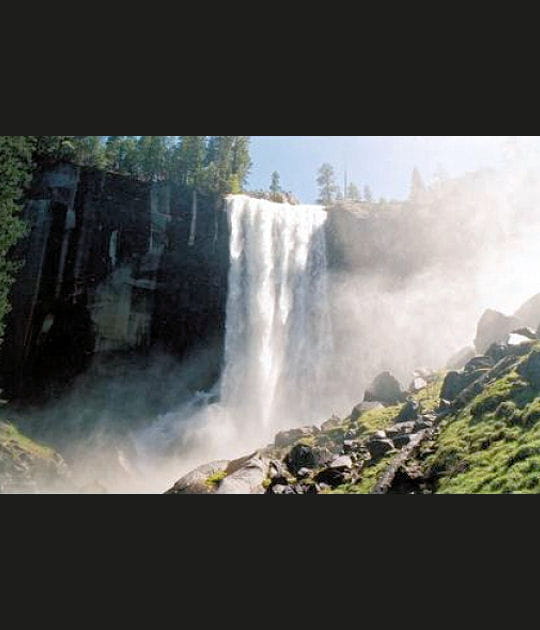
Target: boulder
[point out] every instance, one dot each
(525, 332)
(409, 411)
(455, 382)
(417, 384)
(342, 462)
(286, 438)
(323, 456)
(27, 467)
(530, 369)
(425, 422)
(400, 429)
(377, 447)
(460, 358)
(245, 479)
(497, 351)
(516, 339)
(281, 489)
(331, 423)
(303, 473)
(493, 327)
(529, 313)
(196, 482)
(300, 456)
(401, 440)
(332, 477)
(385, 389)
(478, 363)
(362, 407)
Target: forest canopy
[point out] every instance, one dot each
(217, 164)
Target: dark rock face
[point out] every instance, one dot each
(384, 389)
(113, 266)
(493, 327)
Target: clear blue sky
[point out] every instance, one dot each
(385, 163)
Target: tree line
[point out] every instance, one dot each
(219, 164)
(330, 192)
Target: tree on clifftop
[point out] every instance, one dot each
(275, 185)
(353, 193)
(328, 190)
(15, 168)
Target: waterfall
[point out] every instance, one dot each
(278, 341)
(278, 333)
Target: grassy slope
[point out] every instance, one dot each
(378, 419)
(493, 444)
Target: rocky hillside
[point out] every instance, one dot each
(473, 429)
(28, 467)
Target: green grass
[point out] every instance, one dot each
(493, 444)
(215, 479)
(11, 437)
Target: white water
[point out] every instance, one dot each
(278, 321)
(277, 343)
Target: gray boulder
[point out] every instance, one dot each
(385, 389)
(417, 384)
(409, 411)
(362, 407)
(493, 327)
(377, 447)
(529, 313)
(300, 456)
(331, 423)
(497, 351)
(196, 482)
(343, 461)
(400, 429)
(455, 382)
(246, 478)
(478, 363)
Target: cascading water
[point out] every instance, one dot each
(278, 331)
(278, 338)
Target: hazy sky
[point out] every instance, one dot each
(383, 162)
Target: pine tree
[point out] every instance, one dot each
(153, 154)
(417, 186)
(50, 149)
(368, 195)
(15, 169)
(353, 193)
(241, 160)
(328, 190)
(90, 150)
(115, 152)
(275, 186)
(189, 159)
